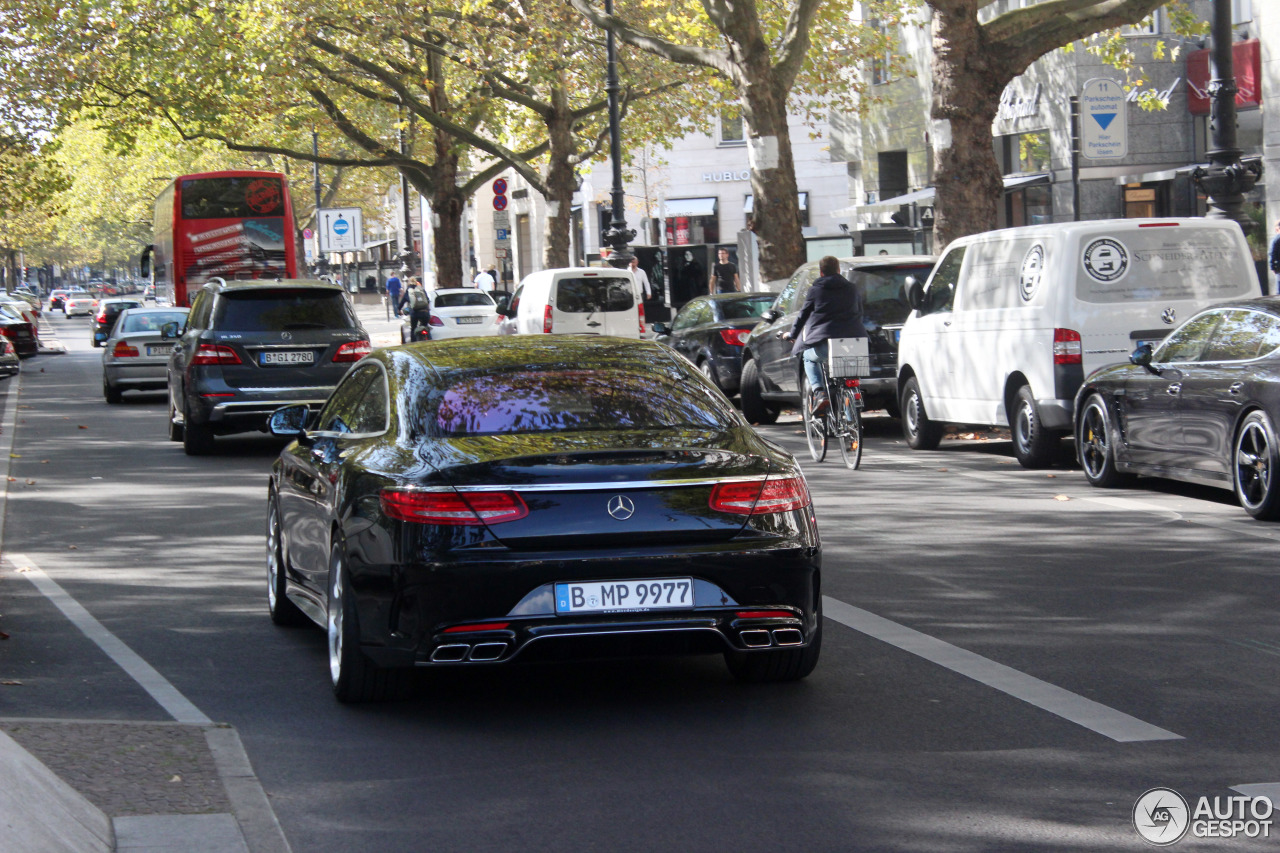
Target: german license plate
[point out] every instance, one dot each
(607, 596)
(463, 321)
(303, 356)
(163, 349)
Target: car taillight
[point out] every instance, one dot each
(735, 337)
(760, 497)
(6, 348)
(215, 354)
(546, 320)
(640, 306)
(435, 321)
(101, 318)
(453, 508)
(123, 350)
(352, 351)
(1067, 348)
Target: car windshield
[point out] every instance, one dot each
(884, 290)
(463, 300)
(151, 321)
(283, 309)
(525, 401)
(745, 309)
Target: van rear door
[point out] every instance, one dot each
(595, 303)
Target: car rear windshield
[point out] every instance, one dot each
(590, 295)
(281, 310)
(884, 290)
(745, 309)
(529, 401)
(152, 321)
(463, 300)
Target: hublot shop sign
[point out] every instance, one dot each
(722, 177)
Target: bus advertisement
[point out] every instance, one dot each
(229, 225)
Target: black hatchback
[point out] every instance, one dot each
(250, 347)
(711, 331)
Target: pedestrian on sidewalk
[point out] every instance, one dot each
(484, 281)
(1273, 258)
(393, 294)
(419, 309)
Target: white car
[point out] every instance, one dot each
(459, 312)
(79, 302)
(29, 312)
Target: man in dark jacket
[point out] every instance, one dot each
(832, 309)
(1273, 258)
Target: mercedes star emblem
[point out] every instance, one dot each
(288, 336)
(621, 508)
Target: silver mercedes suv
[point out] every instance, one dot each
(250, 347)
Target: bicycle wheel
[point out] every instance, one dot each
(815, 429)
(850, 423)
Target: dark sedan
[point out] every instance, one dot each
(1202, 407)
(711, 331)
(771, 375)
(484, 500)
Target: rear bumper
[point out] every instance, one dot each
(247, 409)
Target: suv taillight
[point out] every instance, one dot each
(760, 497)
(352, 351)
(1067, 348)
(215, 354)
(546, 320)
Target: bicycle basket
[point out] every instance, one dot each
(849, 357)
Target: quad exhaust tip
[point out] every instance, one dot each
(756, 638)
(788, 637)
(465, 652)
(450, 654)
(487, 651)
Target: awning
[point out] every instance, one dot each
(690, 207)
(1162, 175)
(1015, 181)
(802, 198)
(926, 194)
(374, 245)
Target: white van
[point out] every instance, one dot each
(1010, 322)
(577, 300)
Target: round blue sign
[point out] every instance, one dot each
(341, 226)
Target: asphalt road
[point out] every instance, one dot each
(1011, 659)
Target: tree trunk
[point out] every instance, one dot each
(447, 203)
(968, 80)
(560, 182)
(775, 214)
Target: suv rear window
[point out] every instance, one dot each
(589, 295)
(283, 310)
(884, 290)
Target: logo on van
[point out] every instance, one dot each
(1031, 272)
(1106, 260)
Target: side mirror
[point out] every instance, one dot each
(290, 422)
(1142, 356)
(662, 328)
(169, 330)
(770, 315)
(915, 294)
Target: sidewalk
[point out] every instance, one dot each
(97, 786)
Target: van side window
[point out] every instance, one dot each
(942, 289)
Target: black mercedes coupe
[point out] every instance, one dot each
(479, 501)
(1202, 407)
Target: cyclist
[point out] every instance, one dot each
(832, 309)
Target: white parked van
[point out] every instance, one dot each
(577, 300)
(1010, 322)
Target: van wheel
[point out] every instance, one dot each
(920, 432)
(1096, 439)
(754, 408)
(1033, 444)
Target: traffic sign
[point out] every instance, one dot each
(499, 202)
(307, 233)
(1104, 120)
(341, 229)
(500, 186)
(502, 233)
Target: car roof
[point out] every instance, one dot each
(272, 284)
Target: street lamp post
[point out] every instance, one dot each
(322, 262)
(1227, 178)
(618, 236)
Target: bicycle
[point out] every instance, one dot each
(847, 360)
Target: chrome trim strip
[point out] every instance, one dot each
(289, 389)
(592, 487)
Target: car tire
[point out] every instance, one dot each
(1256, 467)
(708, 370)
(354, 676)
(197, 439)
(773, 665)
(1096, 436)
(1033, 444)
(175, 429)
(283, 611)
(754, 408)
(110, 393)
(919, 432)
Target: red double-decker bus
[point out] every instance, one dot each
(230, 225)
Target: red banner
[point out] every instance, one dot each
(1246, 56)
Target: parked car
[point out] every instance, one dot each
(1202, 406)
(437, 482)
(18, 331)
(711, 331)
(10, 364)
(250, 347)
(1012, 321)
(105, 319)
(57, 298)
(458, 312)
(23, 308)
(79, 302)
(27, 296)
(576, 301)
(136, 356)
(772, 376)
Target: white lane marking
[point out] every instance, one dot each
(1071, 707)
(168, 697)
(12, 394)
(1270, 790)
